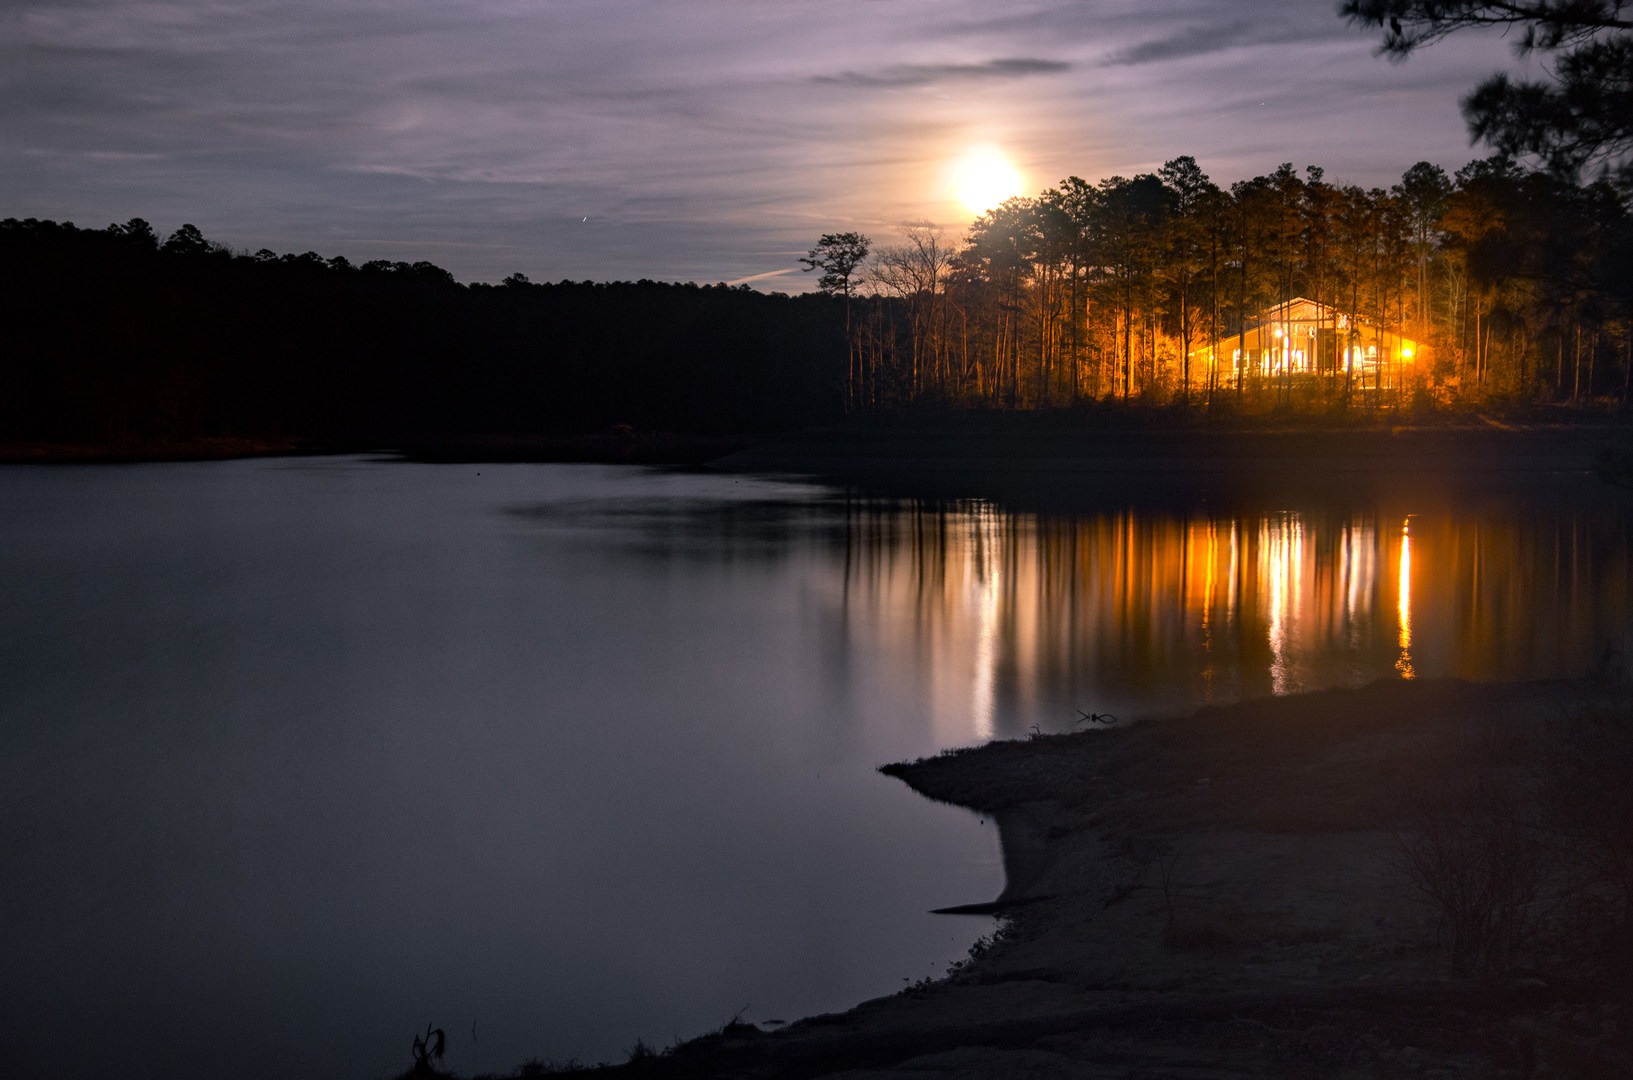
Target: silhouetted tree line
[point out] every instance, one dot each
(1519, 284)
(116, 335)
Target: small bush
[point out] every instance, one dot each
(1587, 802)
(1472, 854)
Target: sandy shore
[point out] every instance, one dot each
(1224, 896)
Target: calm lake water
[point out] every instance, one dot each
(302, 754)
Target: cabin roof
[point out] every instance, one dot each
(1301, 309)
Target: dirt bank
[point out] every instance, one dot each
(1230, 895)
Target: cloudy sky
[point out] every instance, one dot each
(708, 140)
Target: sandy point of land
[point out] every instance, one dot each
(1224, 896)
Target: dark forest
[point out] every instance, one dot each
(114, 336)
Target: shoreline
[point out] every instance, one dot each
(155, 451)
(606, 448)
(1046, 457)
(1222, 895)
(1060, 464)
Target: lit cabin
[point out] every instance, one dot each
(1303, 337)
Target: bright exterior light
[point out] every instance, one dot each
(1407, 353)
(984, 178)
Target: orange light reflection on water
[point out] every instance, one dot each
(1011, 620)
(1403, 604)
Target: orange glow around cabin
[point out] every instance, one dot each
(1303, 340)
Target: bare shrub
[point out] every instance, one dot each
(1472, 855)
(428, 1051)
(1586, 794)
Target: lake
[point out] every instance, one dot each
(302, 754)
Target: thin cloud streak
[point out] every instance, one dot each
(1193, 41)
(928, 74)
(767, 276)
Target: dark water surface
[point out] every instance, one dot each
(300, 755)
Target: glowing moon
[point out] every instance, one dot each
(983, 178)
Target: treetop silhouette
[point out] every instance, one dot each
(1579, 119)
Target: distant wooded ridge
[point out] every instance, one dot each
(114, 336)
(1493, 286)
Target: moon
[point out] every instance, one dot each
(983, 178)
